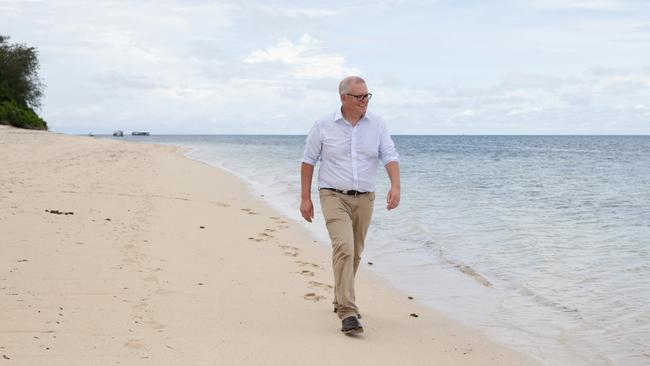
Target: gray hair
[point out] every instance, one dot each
(344, 85)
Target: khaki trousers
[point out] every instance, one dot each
(347, 219)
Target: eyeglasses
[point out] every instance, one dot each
(361, 97)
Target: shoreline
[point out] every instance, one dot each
(132, 277)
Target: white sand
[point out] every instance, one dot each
(131, 278)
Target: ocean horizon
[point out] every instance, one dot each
(541, 241)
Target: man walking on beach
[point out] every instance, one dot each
(349, 143)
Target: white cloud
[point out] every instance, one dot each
(9, 10)
(308, 12)
(603, 101)
(606, 5)
(529, 110)
(460, 115)
(286, 51)
(306, 56)
(297, 13)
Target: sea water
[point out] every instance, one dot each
(542, 242)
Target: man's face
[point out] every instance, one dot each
(350, 103)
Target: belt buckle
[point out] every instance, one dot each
(350, 192)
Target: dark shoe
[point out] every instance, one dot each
(351, 325)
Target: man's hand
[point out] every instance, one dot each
(392, 199)
(307, 209)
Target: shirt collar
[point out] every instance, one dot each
(338, 115)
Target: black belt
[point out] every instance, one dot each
(349, 193)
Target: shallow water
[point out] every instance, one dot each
(541, 241)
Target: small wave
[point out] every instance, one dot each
(545, 301)
(467, 270)
(475, 275)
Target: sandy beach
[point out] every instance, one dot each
(116, 253)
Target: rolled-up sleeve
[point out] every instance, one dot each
(313, 146)
(387, 151)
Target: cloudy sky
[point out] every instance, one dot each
(272, 67)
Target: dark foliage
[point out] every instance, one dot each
(20, 87)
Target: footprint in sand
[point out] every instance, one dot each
(134, 344)
(249, 211)
(320, 285)
(311, 296)
(290, 251)
(307, 264)
(269, 230)
(221, 204)
(154, 325)
(141, 306)
(263, 237)
(307, 273)
(278, 220)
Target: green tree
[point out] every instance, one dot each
(20, 87)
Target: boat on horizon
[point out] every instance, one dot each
(140, 133)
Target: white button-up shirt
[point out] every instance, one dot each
(349, 155)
